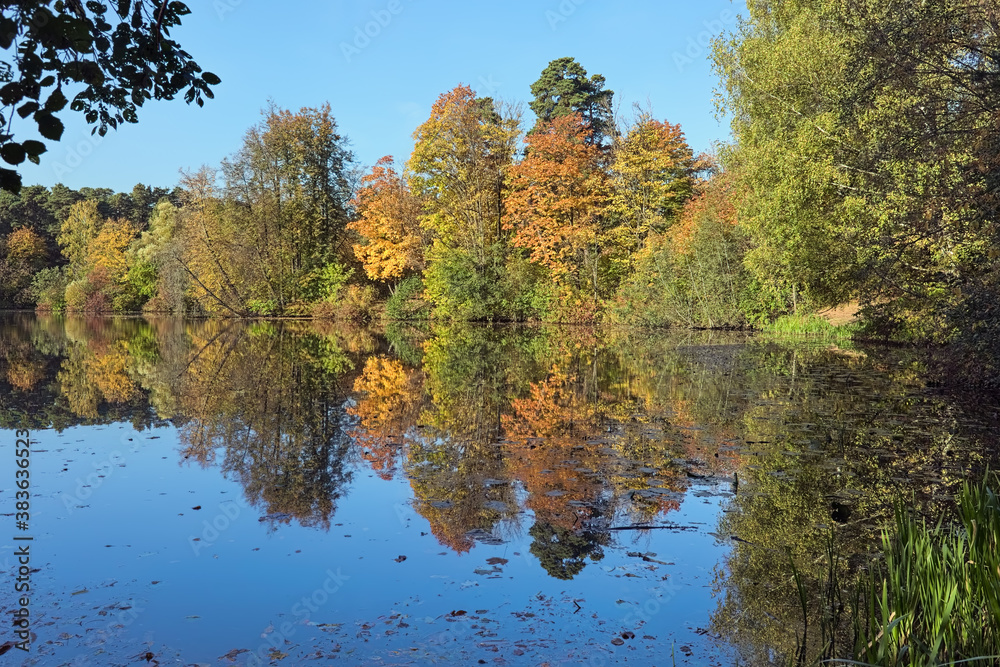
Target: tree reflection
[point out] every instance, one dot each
(272, 400)
(555, 435)
(834, 443)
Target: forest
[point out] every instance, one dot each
(862, 168)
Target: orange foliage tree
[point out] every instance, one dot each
(559, 194)
(388, 220)
(389, 402)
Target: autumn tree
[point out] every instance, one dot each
(651, 180)
(458, 169)
(22, 254)
(216, 252)
(558, 197)
(388, 221)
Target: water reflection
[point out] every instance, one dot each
(566, 437)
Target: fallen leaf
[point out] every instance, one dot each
(232, 654)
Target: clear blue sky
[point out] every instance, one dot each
(294, 53)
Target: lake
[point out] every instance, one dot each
(227, 493)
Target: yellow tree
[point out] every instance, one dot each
(388, 220)
(458, 169)
(107, 251)
(22, 254)
(458, 166)
(651, 177)
(80, 227)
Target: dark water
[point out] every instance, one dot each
(219, 493)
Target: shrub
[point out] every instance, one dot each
(358, 304)
(48, 289)
(77, 293)
(407, 302)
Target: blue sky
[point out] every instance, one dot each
(382, 63)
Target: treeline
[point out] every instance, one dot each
(584, 217)
(866, 162)
(48, 236)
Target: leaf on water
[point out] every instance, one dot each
(231, 655)
(196, 507)
(496, 561)
(617, 641)
(80, 592)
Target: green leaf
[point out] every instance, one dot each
(211, 79)
(49, 126)
(57, 100)
(10, 180)
(12, 153)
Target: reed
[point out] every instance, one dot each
(934, 599)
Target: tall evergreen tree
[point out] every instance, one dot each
(564, 88)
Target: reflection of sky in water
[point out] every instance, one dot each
(417, 499)
(247, 578)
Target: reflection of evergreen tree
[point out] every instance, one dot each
(563, 552)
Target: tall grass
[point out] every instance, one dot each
(809, 325)
(935, 598)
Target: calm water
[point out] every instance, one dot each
(228, 494)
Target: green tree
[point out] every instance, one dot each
(564, 88)
(78, 230)
(458, 170)
(866, 150)
(289, 183)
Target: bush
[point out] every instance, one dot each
(77, 293)
(407, 302)
(324, 284)
(48, 289)
(502, 286)
(359, 303)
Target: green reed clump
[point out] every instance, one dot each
(810, 325)
(935, 599)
